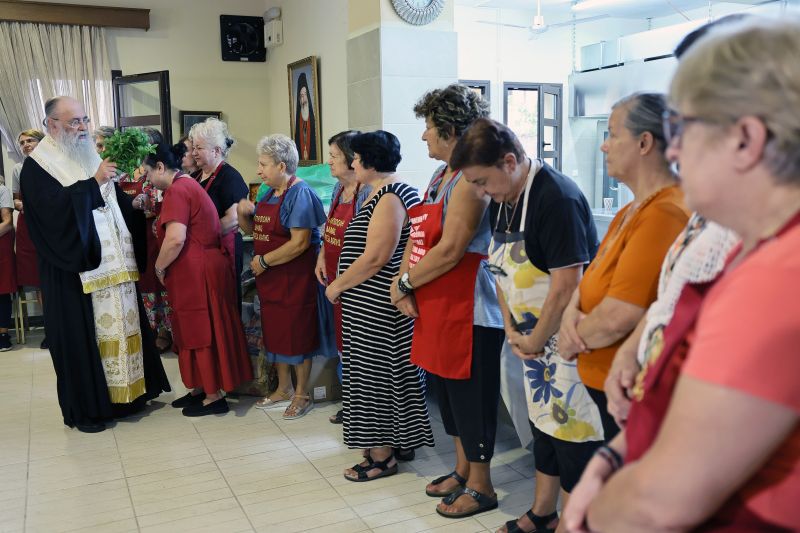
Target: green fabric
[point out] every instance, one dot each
(317, 176)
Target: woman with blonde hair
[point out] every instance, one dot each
(728, 358)
(26, 262)
(211, 144)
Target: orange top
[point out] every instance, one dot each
(628, 265)
(747, 339)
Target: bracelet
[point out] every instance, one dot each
(612, 456)
(263, 263)
(160, 272)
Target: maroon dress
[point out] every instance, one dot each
(27, 262)
(208, 334)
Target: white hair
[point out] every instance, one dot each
(214, 132)
(280, 149)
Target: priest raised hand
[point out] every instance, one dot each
(83, 230)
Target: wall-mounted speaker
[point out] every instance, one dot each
(242, 38)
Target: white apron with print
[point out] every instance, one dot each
(557, 401)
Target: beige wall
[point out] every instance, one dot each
(318, 28)
(184, 39)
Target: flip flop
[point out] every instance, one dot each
(439, 480)
(485, 503)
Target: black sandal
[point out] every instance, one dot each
(383, 466)
(461, 483)
(338, 418)
(485, 503)
(539, 523)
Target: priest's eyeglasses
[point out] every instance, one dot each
(73, 123)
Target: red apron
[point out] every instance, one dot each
(653, 394)
(339, 217)
(228, 239)
(26, 259)
(132, 188)
(288, 292)
(8, 266)
(442, 341)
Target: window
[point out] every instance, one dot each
(482, 87)
(533, 111)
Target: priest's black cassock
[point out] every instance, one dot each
(62, 229)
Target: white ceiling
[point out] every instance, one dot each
(616, 8)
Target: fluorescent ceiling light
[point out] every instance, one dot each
(595, 4)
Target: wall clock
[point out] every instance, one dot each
(418, 12)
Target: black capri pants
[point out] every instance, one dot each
(469, 406)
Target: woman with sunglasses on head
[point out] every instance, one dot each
(728, 357)
(543, 237)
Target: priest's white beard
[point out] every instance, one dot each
(79, 148)
(304, 110)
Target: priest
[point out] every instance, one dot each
(83, 227)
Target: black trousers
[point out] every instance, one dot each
(469, 406)
(5, 311)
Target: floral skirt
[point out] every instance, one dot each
(158, 310)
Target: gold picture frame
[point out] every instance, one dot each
(305, 125)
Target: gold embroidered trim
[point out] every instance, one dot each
(109, 281)
(111, 348)
(127, 394)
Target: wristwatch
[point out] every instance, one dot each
(404, 284)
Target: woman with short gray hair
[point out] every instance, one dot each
(211, 144)
(100, 135)
(286, 238)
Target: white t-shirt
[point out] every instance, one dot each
(6, 200)
(15, 178)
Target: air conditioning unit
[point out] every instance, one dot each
(273, 33)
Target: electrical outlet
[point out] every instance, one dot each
(319, 393)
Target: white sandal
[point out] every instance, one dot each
(266, 402)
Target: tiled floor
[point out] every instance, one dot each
(245, 471)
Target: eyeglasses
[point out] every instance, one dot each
(674, 124)
(73, 123)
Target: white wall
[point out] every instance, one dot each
(310, 27)
(500, 53)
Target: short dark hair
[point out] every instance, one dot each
(170, 156)
(343, 141)
(485, 144)
(452, 109)
(378, 150)
(693, 36)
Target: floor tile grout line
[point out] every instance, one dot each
(30, 438)
(227, 483)
(125, 477)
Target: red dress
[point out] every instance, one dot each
(208, 334)
(339, 218)
(8, 268)
(27, 262)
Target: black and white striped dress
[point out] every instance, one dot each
(384, 396)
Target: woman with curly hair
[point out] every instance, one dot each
(446, 286)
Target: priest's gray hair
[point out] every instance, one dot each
(281, 149)
(214, 132)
